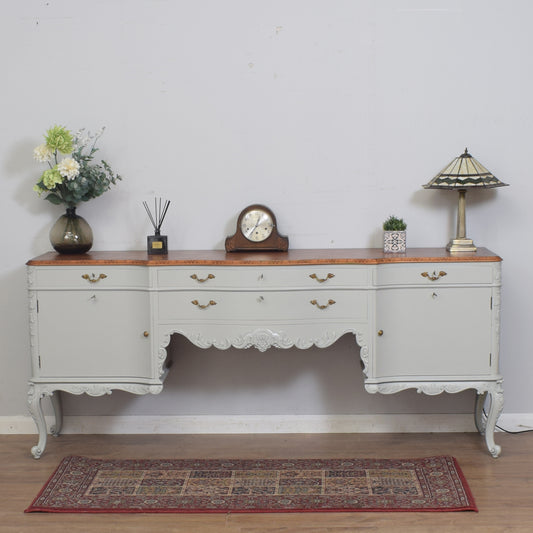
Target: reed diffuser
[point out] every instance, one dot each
(157, 243)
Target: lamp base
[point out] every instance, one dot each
(461, 245)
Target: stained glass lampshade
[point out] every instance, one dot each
(463, 173)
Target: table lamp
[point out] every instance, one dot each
(463, 173)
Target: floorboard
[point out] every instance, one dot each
(502, 488)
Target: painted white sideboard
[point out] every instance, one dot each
(424, 319)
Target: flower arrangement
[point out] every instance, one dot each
(75, 178)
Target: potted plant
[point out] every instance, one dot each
(73, 179)
(394, 235)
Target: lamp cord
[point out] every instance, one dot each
(507, 430)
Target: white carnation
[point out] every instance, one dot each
(69, 168)
(43, 153)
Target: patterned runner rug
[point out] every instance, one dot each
(81, 484)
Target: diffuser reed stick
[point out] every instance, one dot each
(157, 244)
(159, 214)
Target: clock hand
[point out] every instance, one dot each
(257, 223)
(249, 231)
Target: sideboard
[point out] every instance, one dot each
(424, 319)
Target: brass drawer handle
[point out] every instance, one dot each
(330, 302)
(380, 333)
(200, 306)
(202, 280)
(146, 334)
(321, 280)
(435, 276)
(92, 278)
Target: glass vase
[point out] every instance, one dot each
(71, 234)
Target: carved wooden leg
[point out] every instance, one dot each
(496, 407)
(478, 414)
(55, 430)
(36, 411)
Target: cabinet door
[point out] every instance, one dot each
(440, 333)
(94, 334)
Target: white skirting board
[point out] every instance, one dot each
(225, 424)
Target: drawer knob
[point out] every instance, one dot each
(325, 306)
(435, 276)
(92, 278)
(202, 306)
(321, 280)
(146, 334)
(380, 333)
(203, 280)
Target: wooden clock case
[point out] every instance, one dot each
(273, 243)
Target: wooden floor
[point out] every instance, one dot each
(503, 487)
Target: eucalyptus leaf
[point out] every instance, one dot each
(54, 198)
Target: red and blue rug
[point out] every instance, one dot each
(84, 485)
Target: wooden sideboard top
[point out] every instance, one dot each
(346, 256)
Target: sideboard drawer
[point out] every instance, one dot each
(267, 305)
(90, 277)
(268, 277)
(430, 274)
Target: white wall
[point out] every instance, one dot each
(331, 112)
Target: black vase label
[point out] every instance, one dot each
(157, 244)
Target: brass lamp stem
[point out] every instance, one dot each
(461, 215)
(461, 243)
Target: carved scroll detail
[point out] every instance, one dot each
(263, 339)
(428, 387)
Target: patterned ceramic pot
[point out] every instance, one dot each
(394, 241)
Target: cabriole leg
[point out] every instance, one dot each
(55, 398)
(36, 410)
(478, 414)
(496, 407)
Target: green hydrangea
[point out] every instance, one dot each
(51, 178)
(59, 138)
(38, 189)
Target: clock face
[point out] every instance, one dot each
(257, 225)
